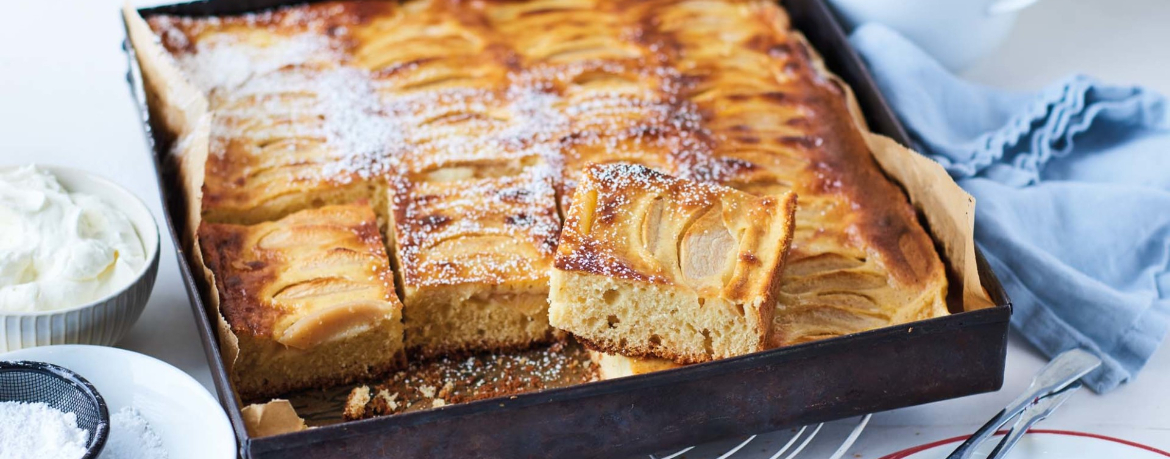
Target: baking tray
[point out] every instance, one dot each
(946, 357)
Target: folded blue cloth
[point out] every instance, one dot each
(1073, 197)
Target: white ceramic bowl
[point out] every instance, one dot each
(188, 420)
(106, 320)
(956, 32)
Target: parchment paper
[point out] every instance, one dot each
(272, 418)
(949, 211)
(180, 112)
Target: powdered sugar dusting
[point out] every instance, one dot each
(371, 127)
(515, 216)
(131, 437)
(29, 430)
(511, 143)
(621, 191)
(223, 62)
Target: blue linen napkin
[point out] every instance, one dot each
(1073, 197)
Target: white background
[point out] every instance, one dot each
(64, 101)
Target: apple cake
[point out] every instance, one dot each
(310, 297)
(859, 259)
(468, 125)
(474, 257)
(293, 126)
(653, 265)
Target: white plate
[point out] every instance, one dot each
(185, 416)
(1043, 444)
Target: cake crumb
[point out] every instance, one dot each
(355, 404)
(446, 390)
(391, 400)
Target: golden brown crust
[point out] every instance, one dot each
(791, 127)
(309, 299)
(623, 197)
(272, 272)
(859, 254)
(650, 264)
(331, 102)
(787, 206)
(639, 352)
(487, 231)
(281, 132)
(182, 34)
(221, 245)
(475, 242)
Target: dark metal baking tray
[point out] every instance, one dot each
(878, 370)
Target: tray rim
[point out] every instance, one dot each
(874, 107)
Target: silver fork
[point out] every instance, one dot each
(1048, 384)
(1044, 407)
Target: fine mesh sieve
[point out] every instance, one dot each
(32, 382)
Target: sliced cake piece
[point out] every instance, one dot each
(293, 127)
(475, 255)
(652, 265)
(285, 141)
(310, 297)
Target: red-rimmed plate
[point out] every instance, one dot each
(1043, 444)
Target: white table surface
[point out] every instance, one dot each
(63, 100)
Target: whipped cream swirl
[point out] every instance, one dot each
(60, 249)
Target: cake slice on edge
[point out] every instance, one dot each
(310, 297)
(651, 265)
(613, 366)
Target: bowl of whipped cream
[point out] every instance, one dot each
(78, 257)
